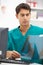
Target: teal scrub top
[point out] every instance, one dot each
(16, 40)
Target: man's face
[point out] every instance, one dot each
(24, 17)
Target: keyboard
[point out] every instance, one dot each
(12, 61)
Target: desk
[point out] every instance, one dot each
(19, 64)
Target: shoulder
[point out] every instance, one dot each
(13, 30)
(36, 27)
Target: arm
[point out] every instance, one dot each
(10, 47)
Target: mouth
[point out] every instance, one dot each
(25, 22)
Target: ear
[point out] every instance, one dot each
(17, 16)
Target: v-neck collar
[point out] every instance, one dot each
(25, 33)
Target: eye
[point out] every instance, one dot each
(27, 14)
(22, 15)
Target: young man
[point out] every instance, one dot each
(18, 36)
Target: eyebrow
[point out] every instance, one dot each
(25, 14)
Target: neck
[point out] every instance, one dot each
(24, 28)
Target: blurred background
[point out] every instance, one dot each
(7, 13)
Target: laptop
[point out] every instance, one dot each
(33, 39)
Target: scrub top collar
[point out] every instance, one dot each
(26, 32)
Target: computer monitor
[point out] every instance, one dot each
(34, 43)
(38, 41)
(3, 42)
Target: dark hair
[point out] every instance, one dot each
(22, 6)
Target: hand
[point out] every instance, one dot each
(15, 54)
(8, 54)
(12, 54)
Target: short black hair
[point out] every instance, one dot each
(22, 6)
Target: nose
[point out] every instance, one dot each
(25, 16)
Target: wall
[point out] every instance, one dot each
(8, 18)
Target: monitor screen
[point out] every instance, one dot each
(3, 41)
